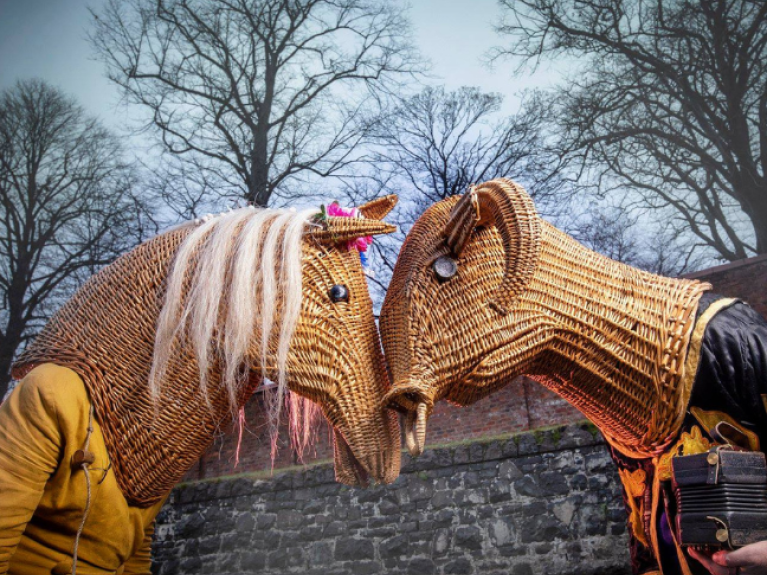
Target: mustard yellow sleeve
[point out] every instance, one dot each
(30, 447)
(140, 563)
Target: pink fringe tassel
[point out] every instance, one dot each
(241, 427)
(304, 418)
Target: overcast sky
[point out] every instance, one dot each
(47, 39)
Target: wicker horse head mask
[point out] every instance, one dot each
(168, 340)
(484, 291)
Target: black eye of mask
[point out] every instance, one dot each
(339, 293)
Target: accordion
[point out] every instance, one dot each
(721, 498)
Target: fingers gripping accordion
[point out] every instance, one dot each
(721, 498)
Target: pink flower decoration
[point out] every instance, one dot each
(336, 211)
(361, 244)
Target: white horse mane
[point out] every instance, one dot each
(259, 251)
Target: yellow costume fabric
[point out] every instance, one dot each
(42, 498)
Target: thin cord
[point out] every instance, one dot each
(84, 465)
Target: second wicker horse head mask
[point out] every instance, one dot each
(484, 290)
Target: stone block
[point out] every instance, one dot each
(348, 549)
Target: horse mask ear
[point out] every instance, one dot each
(506, 206)
(380, 208)
(336, 230)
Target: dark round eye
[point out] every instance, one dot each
(339, 293)
(444, 268)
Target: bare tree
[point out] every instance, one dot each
(437, 143)
(66, 207)
(441, 142)
(667, 98)
(615, 233)
(256, 93)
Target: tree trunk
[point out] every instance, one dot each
(259, 190)
(754, 204)
(9, 344)
(761, 237)
(759, 219)
(6, 359)
(14, 328)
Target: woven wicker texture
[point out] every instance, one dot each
(379, 209)
(106, 334)
(529, 299)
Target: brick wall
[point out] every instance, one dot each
(255, 448)
(520, 406)
(745, 279)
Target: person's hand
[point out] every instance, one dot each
(748, 560)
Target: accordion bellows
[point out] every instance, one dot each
(721, 498)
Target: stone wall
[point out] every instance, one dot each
(537, 502)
